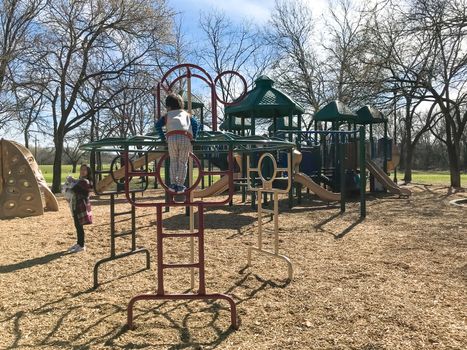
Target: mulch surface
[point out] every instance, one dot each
(396, 280)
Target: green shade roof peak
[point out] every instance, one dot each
(264, 80)
(264, 101)
(335, 111)
(369, 115)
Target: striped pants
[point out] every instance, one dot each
(179, 152)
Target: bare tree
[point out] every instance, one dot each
(89, 42)
(72, 147)
(29, 105)
(298, 67)
(400, 59)
(16, 35)
(445, 34)
(131, 112)
(347, 77)
(417, 122)
(228, 46)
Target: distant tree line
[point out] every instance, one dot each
(76, 71)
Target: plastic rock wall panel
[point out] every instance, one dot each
(20, 195)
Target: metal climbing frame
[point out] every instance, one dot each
(114, 235)
(267, 187)
(97, 173)
(188, 201)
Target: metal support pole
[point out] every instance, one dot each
(341, 146)
(362, 172)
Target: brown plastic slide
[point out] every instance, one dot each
(216, 188)
(385, 180)
(321, 192)
(120, 173)
(21, 183)
(221, 185)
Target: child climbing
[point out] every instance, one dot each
(181, 129)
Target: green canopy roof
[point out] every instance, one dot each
(283, 124)
(195, 101)
(369, 115)
(264, 101)
(236, 124)
(335, 111)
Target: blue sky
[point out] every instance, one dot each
(258, 11)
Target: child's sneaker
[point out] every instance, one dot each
(79, 249)
(181, 189)
(173, 188)
(73, 248)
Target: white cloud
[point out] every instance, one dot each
(255, 10)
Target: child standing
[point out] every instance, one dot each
(80, 205)
(181, 129)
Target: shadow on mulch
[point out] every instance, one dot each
(213, 308)
(31, 262)
(212, 221)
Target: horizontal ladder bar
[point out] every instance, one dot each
(122, 213)
(181, 266)
(180, 235)
(122, 234)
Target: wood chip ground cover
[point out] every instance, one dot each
(396, 280)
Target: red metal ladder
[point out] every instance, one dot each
(160, 293)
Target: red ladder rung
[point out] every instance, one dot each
(181, 266)
(180, 235)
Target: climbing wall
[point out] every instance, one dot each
(21, 182)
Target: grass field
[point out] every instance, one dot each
(433, 177)
(47, 171)
(423, 177)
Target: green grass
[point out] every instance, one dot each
(433, 177)
(418, 176)
(47, 171)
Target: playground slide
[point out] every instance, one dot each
(385, 180)
(216, 188)
(221, 185)
(321, 192)
(119, 173)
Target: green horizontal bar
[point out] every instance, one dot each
(153, 143)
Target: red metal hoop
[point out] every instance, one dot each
(195, 183)
(242, 95)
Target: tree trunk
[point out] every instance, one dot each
(454, 163)
(408, 163)
(26, 138)
(74, 164)
(57, 167)
(465, 155)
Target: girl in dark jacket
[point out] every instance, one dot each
(81, 206)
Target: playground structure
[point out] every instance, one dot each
(142, 157)
(137, 145)
(240, 158)
(266, 101)
(23, 189)
(267, 186)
